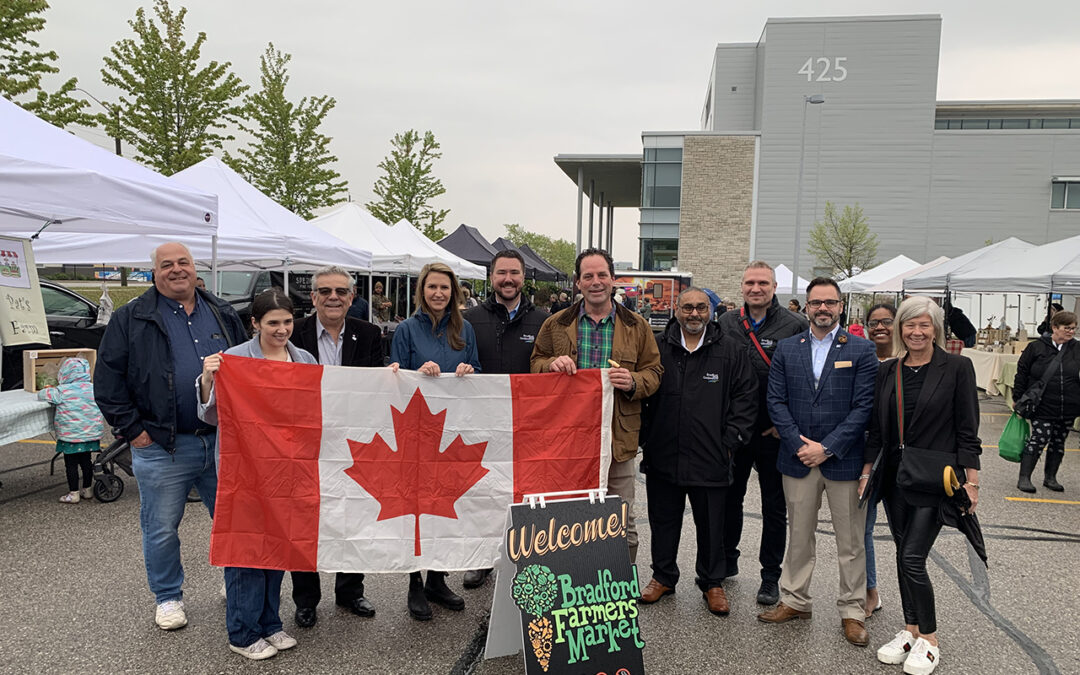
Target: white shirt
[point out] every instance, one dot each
(819, 351)
(329, 350)
(682, 338)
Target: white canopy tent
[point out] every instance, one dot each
(875, 275)
(783, 281)
(406, 233)
(1050, 268)
(940, 277)
(256, 233)
(896, 284)
(50, 177)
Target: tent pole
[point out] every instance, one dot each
(213, 263)
(369, 315)
(286, 279)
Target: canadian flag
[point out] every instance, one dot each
(365, 470)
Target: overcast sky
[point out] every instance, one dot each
(506, 86)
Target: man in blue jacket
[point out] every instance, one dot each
(821, 392)
(144, 383)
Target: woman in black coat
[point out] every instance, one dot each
(1060, 402)
(940, 412)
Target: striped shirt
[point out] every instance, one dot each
(594, 339)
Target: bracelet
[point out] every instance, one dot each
(974, 485)
(865, 476)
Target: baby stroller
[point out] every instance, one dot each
(107, 485)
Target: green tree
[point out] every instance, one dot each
(558, 252)
(408, 184)
(843, 241)
(289, 159)
(23, 65)
(174, 112)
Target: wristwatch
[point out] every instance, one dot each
(828, 453)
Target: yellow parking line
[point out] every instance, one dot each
(996, 414)
(41, 442)
(1041, 501)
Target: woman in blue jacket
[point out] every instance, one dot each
(435, 340)
(253, 596)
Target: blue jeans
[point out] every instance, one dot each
(871, 566)
(253, 598)
(164, 483)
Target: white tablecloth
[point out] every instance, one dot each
(988, 367)
(23, 416)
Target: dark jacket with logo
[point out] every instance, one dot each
(505, 345)
(134, 383)
(780, 322)
(704, 410)
(1061, 397)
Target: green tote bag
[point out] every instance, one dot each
(1014, 438)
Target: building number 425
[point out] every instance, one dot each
(831, 70)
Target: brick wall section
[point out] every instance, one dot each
(717, 200)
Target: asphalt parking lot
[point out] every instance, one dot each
(73, 595)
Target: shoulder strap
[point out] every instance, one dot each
(753, 336)
(1052, 367)
(899, 404)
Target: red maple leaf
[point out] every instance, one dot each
(417, 478)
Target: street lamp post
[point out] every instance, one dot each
(109, 109)
(815, 99)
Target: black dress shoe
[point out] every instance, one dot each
(419, 608)
(358, 606)
(769, 593)
(306, 617)
(475, 578)
(438, 592)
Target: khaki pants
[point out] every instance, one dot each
(803, 496)
(620, 482)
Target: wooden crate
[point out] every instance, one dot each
(37, 361)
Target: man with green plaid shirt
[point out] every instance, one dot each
(596, 332)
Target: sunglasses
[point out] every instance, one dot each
(340, 292)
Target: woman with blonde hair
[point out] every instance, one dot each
(924, 400)
(434, 340)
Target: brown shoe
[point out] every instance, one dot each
(654, 591)
(855, 632)
(782, 614)
(717, 601)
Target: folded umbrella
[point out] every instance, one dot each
(954, 513)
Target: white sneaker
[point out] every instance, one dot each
(170, 615)
(922, 660)
(897, 649)
(282, 641)
(70, 498)
(87, 493)
(256, 651)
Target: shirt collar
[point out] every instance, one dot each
(582, 313)
(828, 338)
(682, 340)
(321, 329)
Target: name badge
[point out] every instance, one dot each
(842, 364)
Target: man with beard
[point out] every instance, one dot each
(148, 361)
(703, 412)
(506, 325)
(821, 393)
(759, 326)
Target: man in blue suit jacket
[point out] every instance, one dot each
(821, 392)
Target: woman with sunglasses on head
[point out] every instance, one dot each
(879, 326)
(925, 400)
(253, 596)
(1060, 402)
(436, 339)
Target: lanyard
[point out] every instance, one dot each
(900, 403)
(753, 337)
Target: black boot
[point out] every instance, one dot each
(438, 592)
(1027, 465)
(1053, 462)
(419, 608)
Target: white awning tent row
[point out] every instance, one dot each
(1050, 268)
(256, 233)
(52, 180)
(783, 281)
(875, 275)
(401, 249)
(896, 283)
(947, 274)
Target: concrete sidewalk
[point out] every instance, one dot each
(74, 596)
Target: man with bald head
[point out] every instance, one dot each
(144, 384)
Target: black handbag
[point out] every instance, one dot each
(921, 469)
(1029, 402)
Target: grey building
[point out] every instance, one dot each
(933, 177)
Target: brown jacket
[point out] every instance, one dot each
(633, 347)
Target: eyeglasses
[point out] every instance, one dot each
(874, 323)
(1069, 329)
(818, 303)
(703, 308)
(340, 292)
